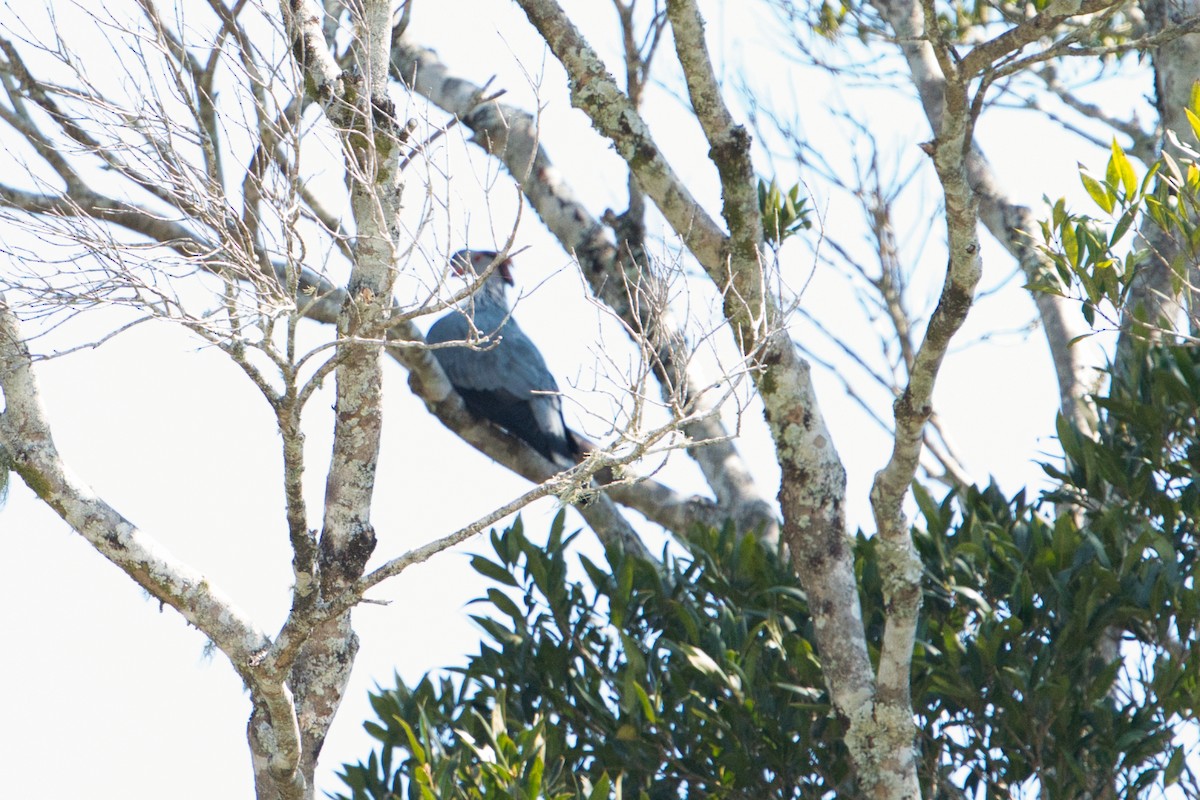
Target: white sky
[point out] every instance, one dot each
(110, 696)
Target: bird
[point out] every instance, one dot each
(505, 380)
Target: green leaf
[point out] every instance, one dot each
(1122, 226)
(1194, 121)
(601, 789)
(783, 213)
(534, 784)
(1058, 214)
(505, 604)
(647, 706)
(555, 542)
(1099, 193)
(414, 747)
(974, 596)
(1175, 765)
(625, 580)
(490, 569)
(1119, 166)
(1148, 177)
(1070, 245)
(1176, 174)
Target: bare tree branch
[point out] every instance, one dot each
(625, 284)
(813, 484)
(1008, 222)
(986, 55)
(25, 434)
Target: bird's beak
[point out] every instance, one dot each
(460, 264)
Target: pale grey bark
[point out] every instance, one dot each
(1008, 222)
(631, 289)
(25, 434)
(371, 141)
(614, 115)
(880, 738)
(898, 557)
(812, 492)
(204, 241)
(1157, 300)
(321, 301)
(297, 678)
(944, 83)
(1173, 49)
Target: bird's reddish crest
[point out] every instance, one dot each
(480, 261)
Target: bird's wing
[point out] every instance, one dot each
(450, 328)
(512, 364)
(507, 382)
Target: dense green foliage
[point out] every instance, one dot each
(1092, 258)
(697, 677)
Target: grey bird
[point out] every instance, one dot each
(505, 381)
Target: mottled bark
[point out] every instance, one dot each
(1008, 222)
(628, 286)
(1157, 300)
(26, 437)
(812, 493)
(364, 116)
(898, 558)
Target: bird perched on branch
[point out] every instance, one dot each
(505, 379)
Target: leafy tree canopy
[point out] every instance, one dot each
(698, 676)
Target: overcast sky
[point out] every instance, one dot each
(110, 696)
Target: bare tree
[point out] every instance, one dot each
(137, 172)
(139, 190)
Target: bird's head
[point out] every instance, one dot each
(475, 262)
